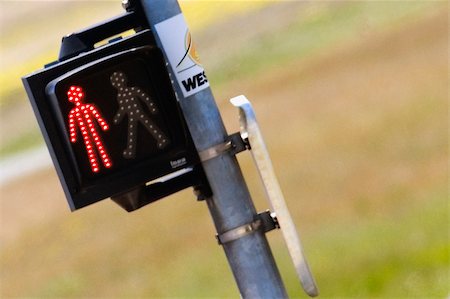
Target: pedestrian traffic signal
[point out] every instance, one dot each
(112, 122)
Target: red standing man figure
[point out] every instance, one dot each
(83, 116)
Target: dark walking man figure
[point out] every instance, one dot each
(129, 100)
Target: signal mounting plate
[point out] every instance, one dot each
(250, 130)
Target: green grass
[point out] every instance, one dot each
(30, 139)
(144, 254)
(398, 254)
(316, 30)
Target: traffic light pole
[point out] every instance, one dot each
(231, 206)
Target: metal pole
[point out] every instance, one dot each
(250, 257)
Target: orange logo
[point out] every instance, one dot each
(191, 50)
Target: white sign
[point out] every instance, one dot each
(180, 50)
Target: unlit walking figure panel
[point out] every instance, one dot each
(129, 100)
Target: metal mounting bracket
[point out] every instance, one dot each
(266, 221)
(233, 144)
(250, 130)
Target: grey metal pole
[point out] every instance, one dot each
(250, 257)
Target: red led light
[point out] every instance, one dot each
(76, 119)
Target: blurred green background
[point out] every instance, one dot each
(353, 100)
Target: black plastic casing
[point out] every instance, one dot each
(46, 90)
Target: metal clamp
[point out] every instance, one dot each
(233, 144)
(266, 221)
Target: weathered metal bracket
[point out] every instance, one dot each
(233, 144)
(265, 221)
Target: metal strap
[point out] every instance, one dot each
(239, 232)
(265, 221)
(234, 144)
(214, 151)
